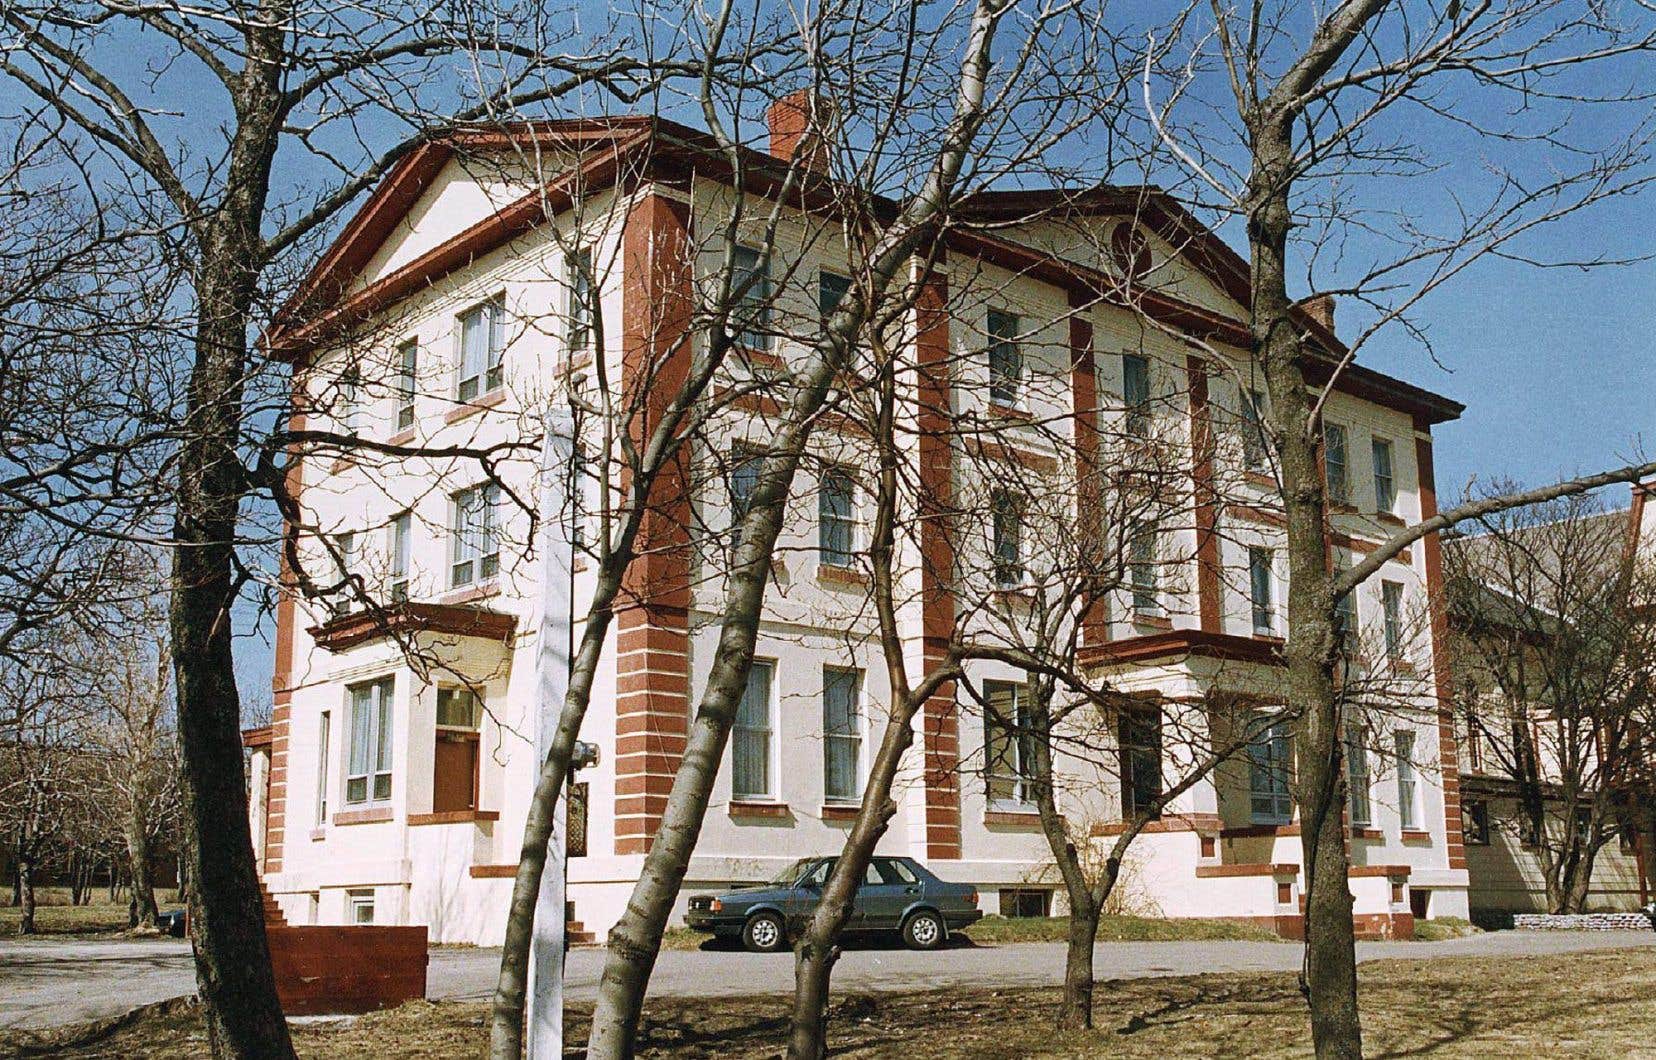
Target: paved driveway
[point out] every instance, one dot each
(48, 981)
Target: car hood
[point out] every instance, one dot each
(748, 895)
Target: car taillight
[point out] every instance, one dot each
(971, 896)
(715, 906)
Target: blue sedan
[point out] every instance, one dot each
(897, 894)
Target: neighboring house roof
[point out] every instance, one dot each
(1496, 606)
(631, 148)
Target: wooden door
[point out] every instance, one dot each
(454, 781)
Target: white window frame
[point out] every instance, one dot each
(401, 550)
(480, 373)
(1359, 781)
(1022, 780)
(1144, 570)
(470, 694)
(583, 303)
(1262, 590)
(744, 730)
(752, 306)
(352, 411)
(474, 546)
(324, 736)
(851, 740)
(1338, 485)
(1136, 407)
(1006, 540)
(1391, 609)
(1385, 483)
(1408, 780)
(408, 371)
(1276, 768)
(345, 544)
(1256, 449)
(1001, 329)
(378, 730)
(829, 521)
(355, 903)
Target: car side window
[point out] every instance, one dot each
(895, 871)
(819, 875)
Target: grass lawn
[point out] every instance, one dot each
(1587, 1005)
(55, 916)
(993, 929)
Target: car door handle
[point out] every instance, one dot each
(911, 890)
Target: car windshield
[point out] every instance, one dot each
(790, 875)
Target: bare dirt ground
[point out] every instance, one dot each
(1600, 1004)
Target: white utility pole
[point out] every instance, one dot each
(546, 949)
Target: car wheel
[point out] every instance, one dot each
(763, 933)
(924, 931)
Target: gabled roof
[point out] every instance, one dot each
(632, 148)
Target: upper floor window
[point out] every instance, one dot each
(1475, 822)
(459, 708)
(1270, 770)
(476, 544)
(750, 737)
(1391, 602)
(1357, 776)
(1408, 784)
(408, 366)
(745, 465)
(1254, 452)
(1135, 393)
(324, 726)
(1006, 526)
(583, 307)
(1140, 765)
(750, 287)
(482, 347)
(1009, 744)
(368, 773)
(836, 518)
(402, 530)
(1005, 359)
(1345, 616)
(345, 545)
(351, 411)
(831, 291)
(841, 734)
(1336, 464)
(1143, 573)
(1260, 591)
(1385, 486)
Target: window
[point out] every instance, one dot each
(836, 518)
(1345, 618)
(1270, 758)
(1135, 394)
(1254, 453)
(1385, 487)
(401, 531)
(482, 339)
(368, 777)
(350, 400)
(1336, 465)
(1391, 601)
(577, 497)
(841, 734)
(582, 309)
(745, 464)
(408, 366)
(323, 732)
(361, 906)
(458, 708)
(1009, 745)
(1006, 526)
(750, 286)
(1259, 591)
(1474, 741)
(831, 291)
(1475, 822)
(1023, 902)
(345, 545)
(1141, 767)
(1142, 571)
(895, 872)
(1408, 784)
(1005, 359)
(1628, 839)
(1357, 777)
(476, 554)
(750, 739)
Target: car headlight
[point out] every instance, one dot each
(715, 906)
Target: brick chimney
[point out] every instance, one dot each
(792, 135)
(1321, 309)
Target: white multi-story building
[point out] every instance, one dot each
(397, 780)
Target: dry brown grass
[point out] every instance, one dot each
(1584, 1005)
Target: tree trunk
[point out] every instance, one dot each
(1076, 1010)
(1330, 974)
(140, 861)
(26, 895)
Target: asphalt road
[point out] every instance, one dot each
(44, 982)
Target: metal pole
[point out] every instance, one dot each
(552, 660)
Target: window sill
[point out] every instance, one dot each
(1152, 621)
(1389, 519)
(476, 405)
(845, 577)
(840, 812)
(493, 872)
(765, 810)
(754, 357)
(318, 834)
(341, 464)
(1028, 819)
(1414, 835)
(402, 437)
(1021, 594)
(1366, 832)
(470, 594)
(1254, 831)
(575, 362)
(1260, 869)
(415, 820)
(1341, 508)
(376, 815)
(1001, 411)
(1260, 479)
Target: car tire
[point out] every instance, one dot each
(924, 931)
(764, 933)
